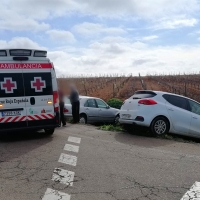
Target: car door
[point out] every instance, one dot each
(105, 113)
(180, 117)
(90, 108)
(195, 118)
(39, 92)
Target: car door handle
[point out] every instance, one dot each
(194, 117)
(171, 109)
(87, 109)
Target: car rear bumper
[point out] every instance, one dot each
(30, 125)
(28, 128)
(132, 122)
(126, 121)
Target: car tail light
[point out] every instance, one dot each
(65, 110)
(139, 118)
(147, 102)
(56, 101)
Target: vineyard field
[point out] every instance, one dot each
(125, 86)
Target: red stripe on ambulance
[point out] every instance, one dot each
(50, 115)
(14, 119)
(25, 66)
(44, 116)
(8, 119)
(38, 117)
(22, 118)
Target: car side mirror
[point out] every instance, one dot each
(108, 107)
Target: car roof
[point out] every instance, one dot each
(84, 97)
(161, 92)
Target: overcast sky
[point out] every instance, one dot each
(107, 36)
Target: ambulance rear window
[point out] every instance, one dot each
(11, 85)
(38, 84)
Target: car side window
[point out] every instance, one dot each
(194, 107)
(90, 103)
(177, 101)
(101, 104)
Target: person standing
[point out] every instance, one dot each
(61, 103)
(74, 98)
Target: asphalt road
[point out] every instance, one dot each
(109, 166)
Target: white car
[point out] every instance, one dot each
(162, 112)
(93, 110)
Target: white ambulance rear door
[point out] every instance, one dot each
(38, 86)
(12, 98)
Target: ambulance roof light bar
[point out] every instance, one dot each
(20, 52)
(40, 54)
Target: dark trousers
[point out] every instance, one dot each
(75, 111)
(62, 117)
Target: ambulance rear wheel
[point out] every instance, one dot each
(49, 131)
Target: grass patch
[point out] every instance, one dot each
(111, 128)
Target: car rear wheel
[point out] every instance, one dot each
(159, 126)
(83, 119)
(49, 131)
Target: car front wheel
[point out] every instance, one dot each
(159, 126)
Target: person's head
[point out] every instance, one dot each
(72, 87)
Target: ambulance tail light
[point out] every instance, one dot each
(56, 101)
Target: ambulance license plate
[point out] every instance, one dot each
(11, 113)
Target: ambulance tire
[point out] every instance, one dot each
(49, 131)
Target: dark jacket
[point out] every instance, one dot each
(60, 97)
(74, 96)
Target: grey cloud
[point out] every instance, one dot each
(141, 61)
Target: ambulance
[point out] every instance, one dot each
(28, 91)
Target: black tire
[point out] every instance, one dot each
(160, 126)
(83, 119)
(49, 131)
(116, 120)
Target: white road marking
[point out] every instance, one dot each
(55, 195)
(68, 159)
(193, 193)
(63, 176)
(70, 147)
(74, 139)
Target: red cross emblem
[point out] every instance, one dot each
(38, 84)
(8, 85)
